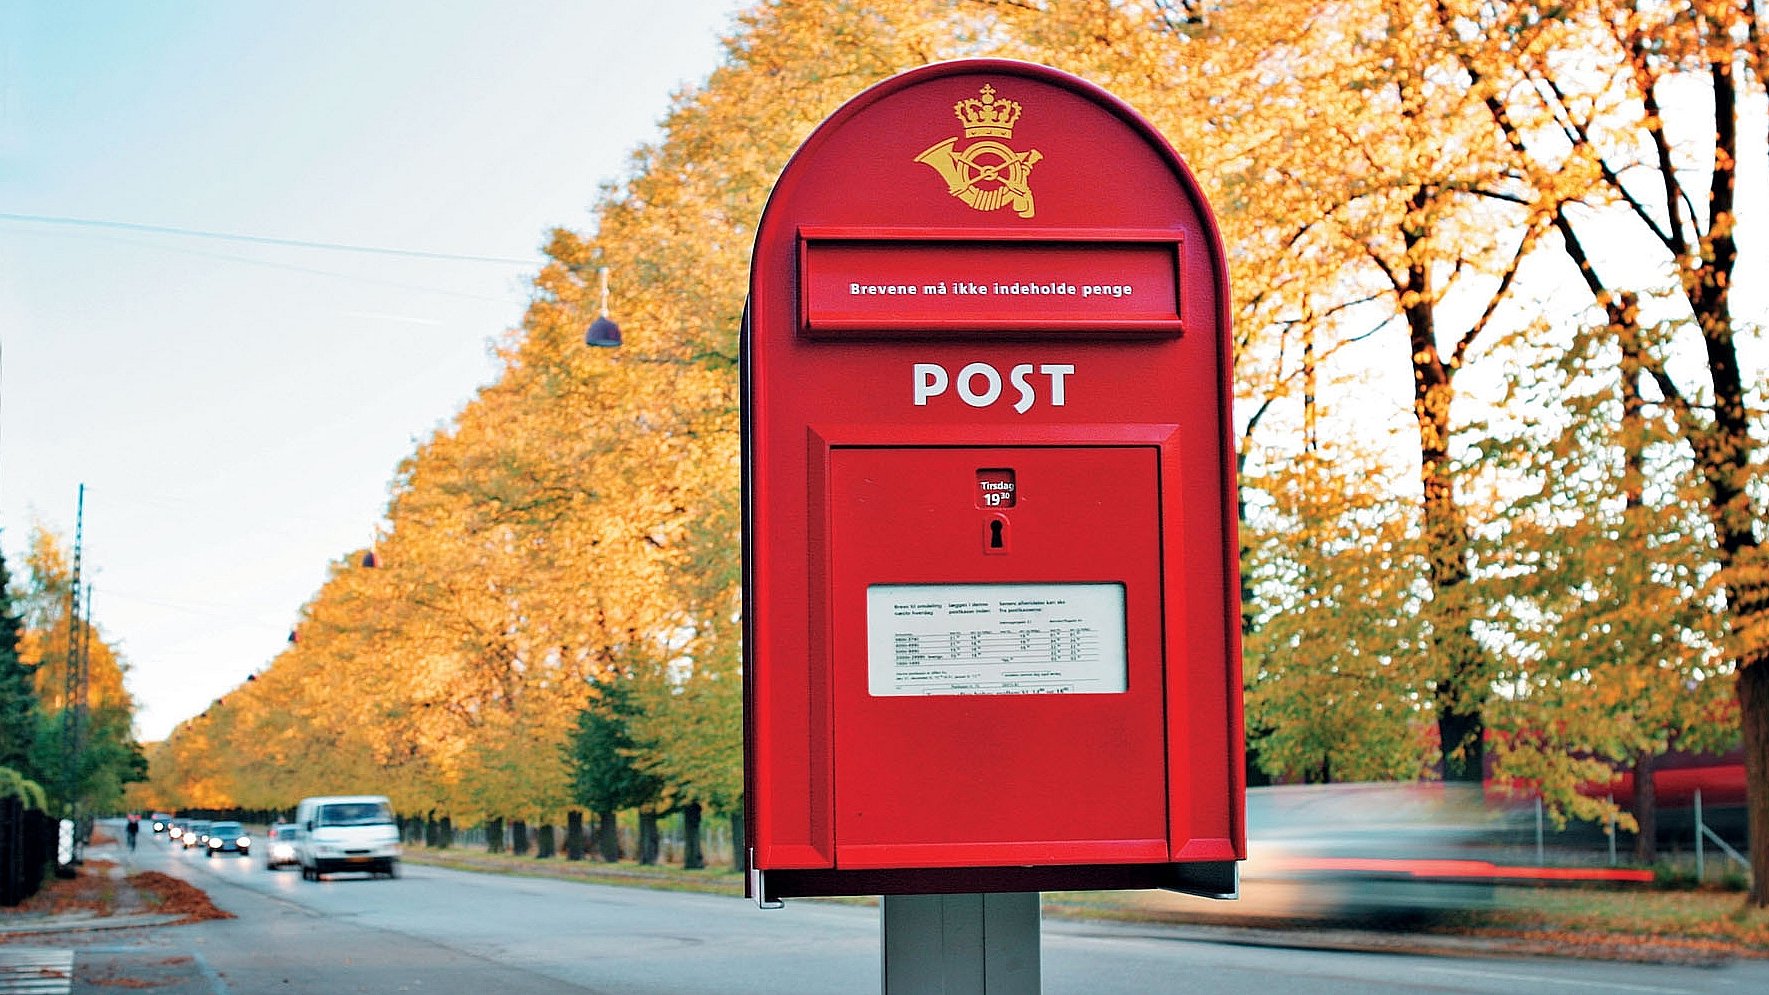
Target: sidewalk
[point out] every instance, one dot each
(101, 896)
(65, 938)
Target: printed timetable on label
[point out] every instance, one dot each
(1003, 639)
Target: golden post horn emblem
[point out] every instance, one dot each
(986, 174)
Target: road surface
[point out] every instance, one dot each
(449, 932)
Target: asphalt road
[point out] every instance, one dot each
(447, 932)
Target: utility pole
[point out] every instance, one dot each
(83, 693)
(73, 686)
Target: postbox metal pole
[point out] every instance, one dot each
(960, 943)
(1701, 870)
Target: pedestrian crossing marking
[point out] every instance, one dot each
(36, 970)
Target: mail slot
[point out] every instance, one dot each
(990, 569)
(920, 283)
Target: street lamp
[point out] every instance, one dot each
(603, 332)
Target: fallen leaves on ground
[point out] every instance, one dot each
(93, 889)
(98, 891)
(1693, 924)
(173, 896)
(1644, 949)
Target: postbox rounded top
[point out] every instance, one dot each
(987, 145)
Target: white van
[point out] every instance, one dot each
(346, 833)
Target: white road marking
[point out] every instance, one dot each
(36, 971)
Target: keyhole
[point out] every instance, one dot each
(995, 529)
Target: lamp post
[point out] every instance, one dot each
(603, 332)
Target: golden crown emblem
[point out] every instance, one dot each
(987, 117)
(988, 174)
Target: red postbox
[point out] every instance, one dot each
(991, 591)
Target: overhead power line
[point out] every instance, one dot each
(296, 243)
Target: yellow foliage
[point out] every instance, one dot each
(1378, 172)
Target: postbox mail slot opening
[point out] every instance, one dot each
(926, 287)
(995, 639)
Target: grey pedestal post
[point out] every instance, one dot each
(961, 944)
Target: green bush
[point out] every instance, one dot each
(16, 785)
(1678, 874)
(1670, 876)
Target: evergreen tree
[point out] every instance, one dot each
(18, 697)
(604, 777)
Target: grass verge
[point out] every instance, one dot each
(1698, 919)
(710, 880)
(1615, 923)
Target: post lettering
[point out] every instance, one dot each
(930, 381)
(971, 372)
(980, 384)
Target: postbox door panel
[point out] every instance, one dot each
(996, 654)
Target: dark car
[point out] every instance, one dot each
(196, 833)
(227, 837)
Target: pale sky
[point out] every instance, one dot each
(236, 407)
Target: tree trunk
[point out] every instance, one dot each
(692, 858)
(519, 837)
(647, 836)
(739, 849)
(1461, 678)
(1753, 701)
(1461, 684)
(608, 836)
(494, 835)
(432, 834)
(445, 833)
(1646, 809)
(574, 835)
(545, 847)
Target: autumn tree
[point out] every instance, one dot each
(1380, 161)
(1605, 589)
(108, 757)
(1379, 210)
(678, 236)
(1632, 123)
(1334, 567)
(189, 770)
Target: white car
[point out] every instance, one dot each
(279, 846)
(346, 833)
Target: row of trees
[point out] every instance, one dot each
(68, 756)
(1500, 402)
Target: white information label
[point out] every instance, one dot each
(995, 639)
